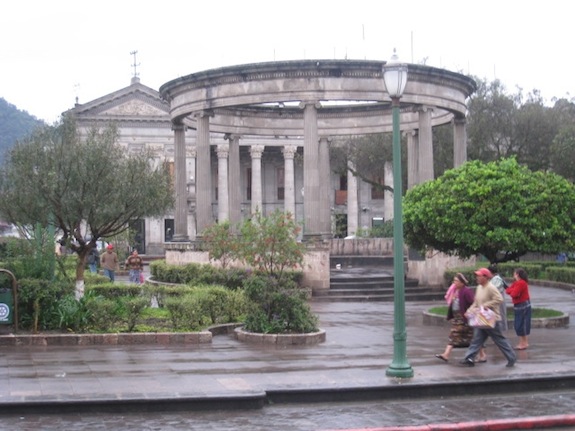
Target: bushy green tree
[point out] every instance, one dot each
(221, 242)
(500, 210)
(269, 243)
(81, 185)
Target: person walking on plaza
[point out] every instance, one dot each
(135, 264)
(109, 262)
(498, 282)
(487, 296)
(519, 292)
(93, 258)
(459, 298)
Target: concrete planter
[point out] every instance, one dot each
(281, 339)
(548, 322)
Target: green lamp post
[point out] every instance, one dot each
(395, 78)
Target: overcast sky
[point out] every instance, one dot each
(54, 51)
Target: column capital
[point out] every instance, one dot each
(424, 108)
(289, 151)
(223, 151)
(203, 113)
(256, 151)
(191, 152)
(231, 137)
(179, 127)
(315, 103)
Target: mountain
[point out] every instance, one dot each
(14, 125)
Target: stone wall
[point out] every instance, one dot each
(362, 247)
(429, 271)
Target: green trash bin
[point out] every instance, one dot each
(6, 306)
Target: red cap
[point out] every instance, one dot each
(485, 272)
(110, 247)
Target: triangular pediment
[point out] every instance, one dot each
(134, 107)
(135, 101)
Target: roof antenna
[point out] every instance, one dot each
(135, 78)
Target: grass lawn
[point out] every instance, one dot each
(536, 313)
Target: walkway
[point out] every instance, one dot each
(350, 365)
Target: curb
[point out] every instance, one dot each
(546, 322)
(258, 399)
(541, 422)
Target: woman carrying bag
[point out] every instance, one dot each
(459, 298)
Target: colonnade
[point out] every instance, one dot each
(316, 171)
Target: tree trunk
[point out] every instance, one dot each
(80, 268)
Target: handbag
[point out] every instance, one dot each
(482, 318)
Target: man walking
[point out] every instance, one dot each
(488, 296)
(135, 265)
(109, 262)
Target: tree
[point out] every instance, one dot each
(367, 154)
(563, 152)
(500, 210)
(86, 187)
(491, 119)
(269, 244)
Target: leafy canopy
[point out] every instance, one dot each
(81, 185)
(266, 243)
(501, 210)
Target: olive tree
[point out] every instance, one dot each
(500, 210)
(81, 185)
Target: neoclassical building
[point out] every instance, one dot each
(258, 136)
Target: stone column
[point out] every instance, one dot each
(191, 186)
(288, 152)
(310, 170)
(387, 195)
(204, 216)
(412, 158)
(425, 161)
(181, 214)
(459, 142)
(325, 189)
(223, 197)
(256, 152)
(352, 201)
(234, 184)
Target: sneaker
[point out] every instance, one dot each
(510, 364)
(468, 362)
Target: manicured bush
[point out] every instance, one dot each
(277, 307)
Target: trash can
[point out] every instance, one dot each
(6, 306)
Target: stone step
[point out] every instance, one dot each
(424, 296)
(368, 291)
(348, 261)
(369, 283)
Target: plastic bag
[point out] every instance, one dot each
(483, 318)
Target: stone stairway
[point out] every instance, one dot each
(369, 278)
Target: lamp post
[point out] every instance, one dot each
(395, 78)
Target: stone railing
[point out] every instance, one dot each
(361, 247)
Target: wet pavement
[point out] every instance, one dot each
(334, 385)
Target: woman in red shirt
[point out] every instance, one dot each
(519, 292)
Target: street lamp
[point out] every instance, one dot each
(395, 78)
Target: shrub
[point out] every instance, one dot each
(105, 313)
(38, 301)
(184, 312)
(74, 315)
(132, 308)
(277, 307)
(115, 290)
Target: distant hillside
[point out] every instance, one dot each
(14, 125)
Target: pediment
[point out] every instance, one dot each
(134, 107)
